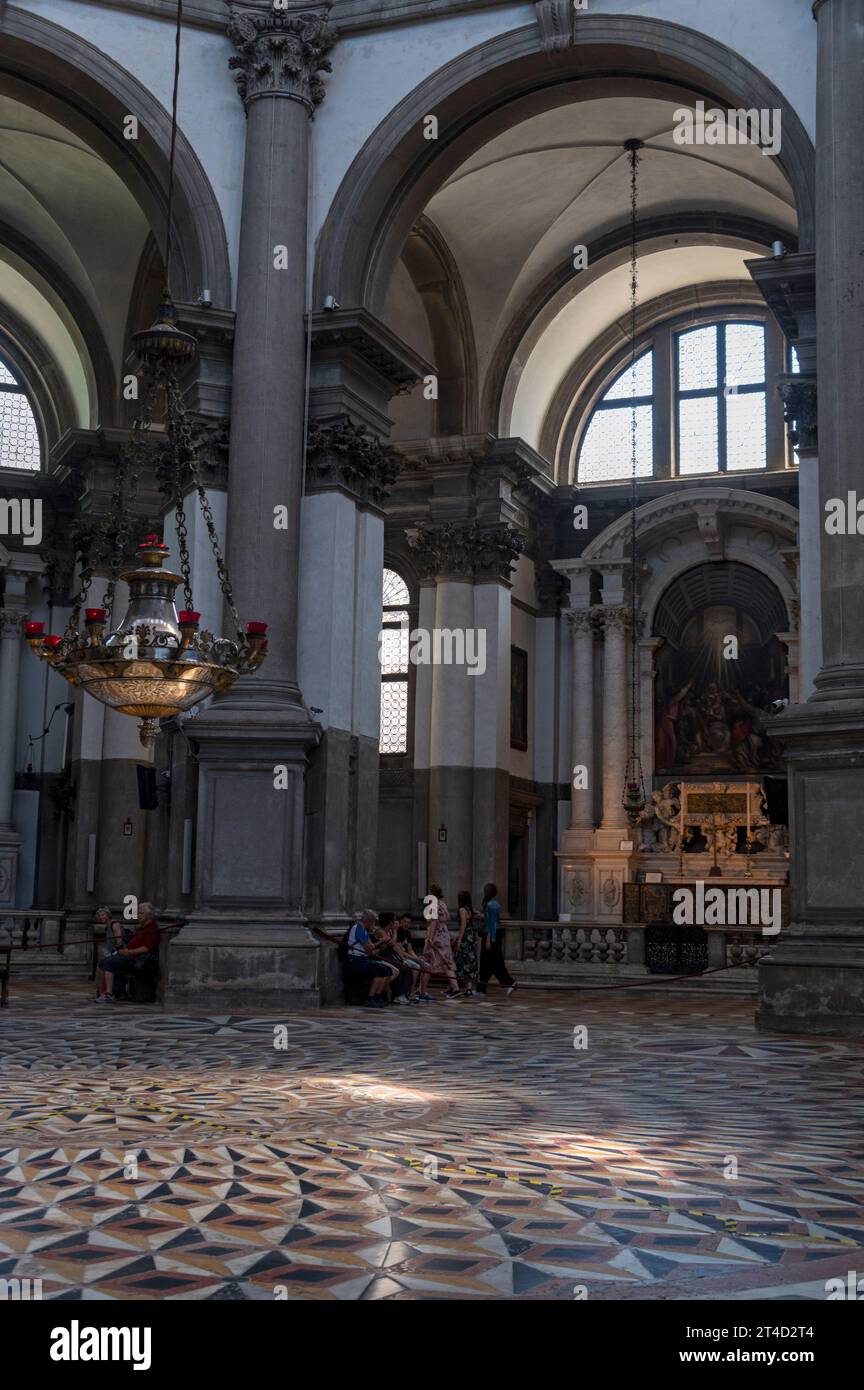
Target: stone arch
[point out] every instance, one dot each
(433, 269)
(92, 93)
(80, 321)
(687, 528)
(394, 175)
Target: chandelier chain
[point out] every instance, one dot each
(634, 781)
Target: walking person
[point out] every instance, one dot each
(437, 951)
(466, 955)
(492, 948)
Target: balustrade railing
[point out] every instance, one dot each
(29, 929)
(559, 951)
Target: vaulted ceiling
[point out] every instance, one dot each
(71, 238)
(512, 213)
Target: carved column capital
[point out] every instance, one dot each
(339, 454)
(800, 397)
(583, 621)
(617, 619)
(11, 620)
(466, 550)
(281, 55)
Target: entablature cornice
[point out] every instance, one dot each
(355, 333)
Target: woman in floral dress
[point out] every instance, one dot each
(466, 953)
(437, 951)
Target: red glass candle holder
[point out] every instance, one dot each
(34, 629)
(187, 617)
(95, 615)
(52, 641)
(256, 629)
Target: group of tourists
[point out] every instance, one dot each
(378, 950)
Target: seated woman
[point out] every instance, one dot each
(393, 951)
(109, 935)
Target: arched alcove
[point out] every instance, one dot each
(720, 668)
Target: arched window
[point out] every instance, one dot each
(607, 448)
(699, 393)
(721, 399)
(19, 435)
(394, 645)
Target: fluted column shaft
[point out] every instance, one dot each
(582, 719)
(614, 717)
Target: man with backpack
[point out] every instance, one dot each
(359, 955)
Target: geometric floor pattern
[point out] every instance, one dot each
(459, 1150)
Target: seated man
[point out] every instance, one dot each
(362, 959)
(126, 958)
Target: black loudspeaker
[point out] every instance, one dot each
(148, 797)
(777, 796)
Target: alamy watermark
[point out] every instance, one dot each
(437, 646)
(728, 907)
(22, 517)
(713, 126)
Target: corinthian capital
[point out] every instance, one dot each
(800, 398)
(617, 619)
(583, 620)
(281, 55)
(466, 550)
(11, 620)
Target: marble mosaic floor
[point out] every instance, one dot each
(457, 1150)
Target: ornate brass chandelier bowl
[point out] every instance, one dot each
(157, 662)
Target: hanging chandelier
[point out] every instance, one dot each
(633, 798)
(156, 662)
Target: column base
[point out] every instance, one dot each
(813, 986)
(246, 946)
(244, 967)
(812, 981)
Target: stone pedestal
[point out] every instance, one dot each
(246, 943)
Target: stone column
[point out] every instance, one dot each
(246, 939)
(648, 649)
(813, 980)
(615, 732)
(10, 664)
(800, 398)
(582, 624)
(357, 366)
(839, 298)
(279, 59)
(469, 781)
